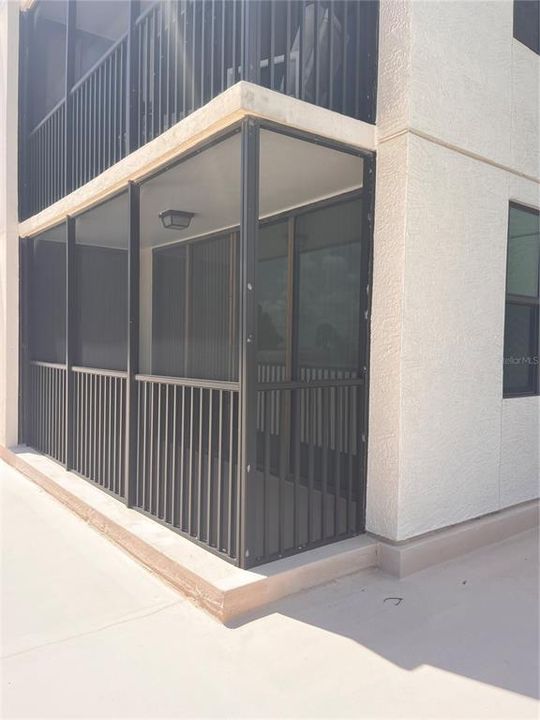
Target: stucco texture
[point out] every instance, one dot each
(444, 445)
(458, 139)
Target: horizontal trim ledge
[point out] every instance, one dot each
(221, 114)
(456, 148)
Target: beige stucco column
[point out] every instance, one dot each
(9, 263)
(457, 140)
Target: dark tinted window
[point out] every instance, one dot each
(521, 352)
(272, 300)
(101, 286)
(527, 23)
(48, 297)
(328, 246)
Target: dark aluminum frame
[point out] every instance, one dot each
(534, 304)
(247, 386)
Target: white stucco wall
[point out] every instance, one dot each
(9, 314)
(458, 138)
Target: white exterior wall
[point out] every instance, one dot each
(458, 138)
(9, 254)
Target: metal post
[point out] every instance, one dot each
(366, 262)
(71, 19)
(250, 40)
(25, 259)
(70, 338)
(368, 42)
(132, 76)
(24, 114)
(132, 366)
(248, 341)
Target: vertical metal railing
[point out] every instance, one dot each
(46, 421)
(187, 470)
(188, 52)
(98, 107)
(99, 422)
(322, 52)
(45, 161)
(310, 452)
(177, 56)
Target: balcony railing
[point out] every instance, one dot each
(178, 55)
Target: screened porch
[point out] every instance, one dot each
(197, 345)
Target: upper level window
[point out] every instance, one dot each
(521, 351)
(527, 23)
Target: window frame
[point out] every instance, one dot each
(529, 301)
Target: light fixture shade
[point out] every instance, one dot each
(175, 219)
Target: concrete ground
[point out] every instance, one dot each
(86, 632)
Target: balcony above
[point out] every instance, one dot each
(100, 80)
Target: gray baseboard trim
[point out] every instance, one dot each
(404, 558)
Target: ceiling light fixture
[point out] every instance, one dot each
(175, 219)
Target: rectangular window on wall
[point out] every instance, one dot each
(48, 296)
(522, 321)
(101, 254)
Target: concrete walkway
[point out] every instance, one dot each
(86, 632)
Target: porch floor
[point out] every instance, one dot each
(87, 632)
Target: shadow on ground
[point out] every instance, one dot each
(477, 617)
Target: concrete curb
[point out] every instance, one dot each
(192, 586)
(235, 592)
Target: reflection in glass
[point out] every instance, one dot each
(329, 291)
(272, 300)
(522, 321)
(520, 359)
(523, 252)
